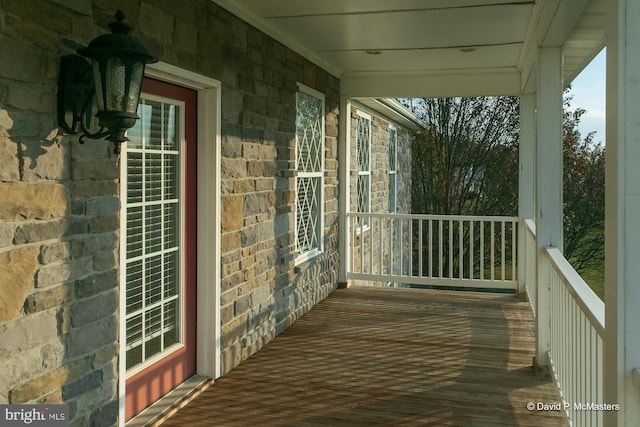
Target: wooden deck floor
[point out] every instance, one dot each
(392, 357)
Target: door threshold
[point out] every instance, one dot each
(168, 404)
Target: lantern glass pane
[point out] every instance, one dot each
(97, 78)
(115, 84)
(137, 73)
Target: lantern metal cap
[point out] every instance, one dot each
(118, 40)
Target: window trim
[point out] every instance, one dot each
(363, 172)
(311, 253)
(393, 171)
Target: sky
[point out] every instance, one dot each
(588, 90)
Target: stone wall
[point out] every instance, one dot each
(380, 186)
(262, 290)
(59, 200)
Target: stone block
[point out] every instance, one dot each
(232, 213)
(106, 355)
(157, 23)
(244, 186)
(100, 242)
(82, 385)
(33, 201)
(9, 160)
(61, 272)
(29, 363)
(102, 206)
(48, 298)
(104, 224)
(89, 310)
(230, 242)
(54, 252)
(96, 284)
(31, 64)
(256, 233)
(45, 160)
(255, 203)
(27, 332)
(90, 189)
(85, 339)
(258, 151)
(31, 98)
(6, 234)
(46, 230)
(43, 384)
(93, 168)
(106, 260)
(233, 168)
(79, 6)
(242, 305)
(47, 15)
(106, 415)
(17, 270)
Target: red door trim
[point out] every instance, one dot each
(153, 382)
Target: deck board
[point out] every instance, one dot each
(388, 357)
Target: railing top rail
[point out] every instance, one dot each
(531, 226)
(589, 302)
(434, 217)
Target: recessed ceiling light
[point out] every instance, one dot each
(373, 52)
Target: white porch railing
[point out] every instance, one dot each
(528, 261)
(459, 251)
(577, 331)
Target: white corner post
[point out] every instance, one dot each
(622, 215)
(344, 168)
(548, 185)
(526, 184)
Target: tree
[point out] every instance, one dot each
(466, 162)
(583, 192)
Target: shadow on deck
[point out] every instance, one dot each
(393, 357)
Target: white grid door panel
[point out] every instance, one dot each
(152, 217)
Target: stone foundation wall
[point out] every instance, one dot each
(59, 200)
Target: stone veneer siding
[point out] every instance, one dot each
(380, 176)
(59, 200)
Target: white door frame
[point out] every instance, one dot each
(208, 213)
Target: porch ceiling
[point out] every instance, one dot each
(430, 48)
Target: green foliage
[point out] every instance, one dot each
(466, 162)
(583, 209)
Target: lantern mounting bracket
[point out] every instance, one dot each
(76, 110)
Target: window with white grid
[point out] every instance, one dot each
(363, 161)
(393, 168)
(310, 172)
(153, 248)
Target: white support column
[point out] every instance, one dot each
(527, 183)
(622, 223)
(344, 158)
(548, 184)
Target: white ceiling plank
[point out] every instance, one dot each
(445, 83)
(421, 39)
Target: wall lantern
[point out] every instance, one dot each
(107, 89)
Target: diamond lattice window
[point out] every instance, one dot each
(393, 168)
(363, 153)
(151, 210)
(310, 170)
